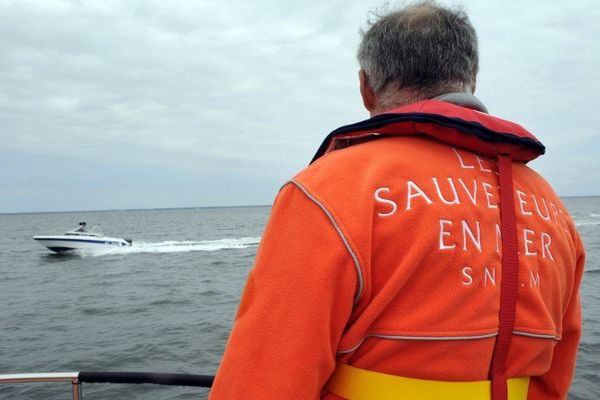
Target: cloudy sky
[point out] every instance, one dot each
(150, 104)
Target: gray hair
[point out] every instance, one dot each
(424, 48)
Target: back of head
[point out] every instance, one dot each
(424, 49)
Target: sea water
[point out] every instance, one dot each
(167, 303)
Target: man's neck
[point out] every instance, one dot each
(463, 99)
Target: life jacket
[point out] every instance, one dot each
(449, 123)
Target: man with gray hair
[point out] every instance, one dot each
(435, 54)
(417, 257)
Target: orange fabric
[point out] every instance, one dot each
(418, 219)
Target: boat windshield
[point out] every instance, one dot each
(84, 231)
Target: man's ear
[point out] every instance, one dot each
(366, 91)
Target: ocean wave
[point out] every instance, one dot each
(589, 219)
(592, 271)
(172, 246)
(587, 223)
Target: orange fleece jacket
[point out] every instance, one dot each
(386, 256)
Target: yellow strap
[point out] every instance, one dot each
(360, 384)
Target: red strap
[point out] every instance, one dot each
(510, 279)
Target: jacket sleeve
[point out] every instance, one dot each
(295, 305)
(555, 384)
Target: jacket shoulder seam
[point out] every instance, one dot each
(337, 227)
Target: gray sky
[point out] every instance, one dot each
(149, 104)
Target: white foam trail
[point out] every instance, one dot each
(586, 223)
(172, 246)
(591, 219)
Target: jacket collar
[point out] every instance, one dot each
(463, 125)
(463, 99)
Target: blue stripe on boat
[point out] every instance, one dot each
(79, 240)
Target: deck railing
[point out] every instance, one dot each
(77, 378)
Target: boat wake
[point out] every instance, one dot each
(587, 222)
(591, 219)
(171, 246)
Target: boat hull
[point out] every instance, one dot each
(61, 244)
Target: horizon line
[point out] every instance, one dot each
(133, 209)
(189, 207)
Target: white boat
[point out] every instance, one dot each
(81, 238)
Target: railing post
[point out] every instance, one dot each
(76, 389)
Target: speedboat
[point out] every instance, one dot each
(81, 238)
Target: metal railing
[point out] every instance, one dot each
(77, 378)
